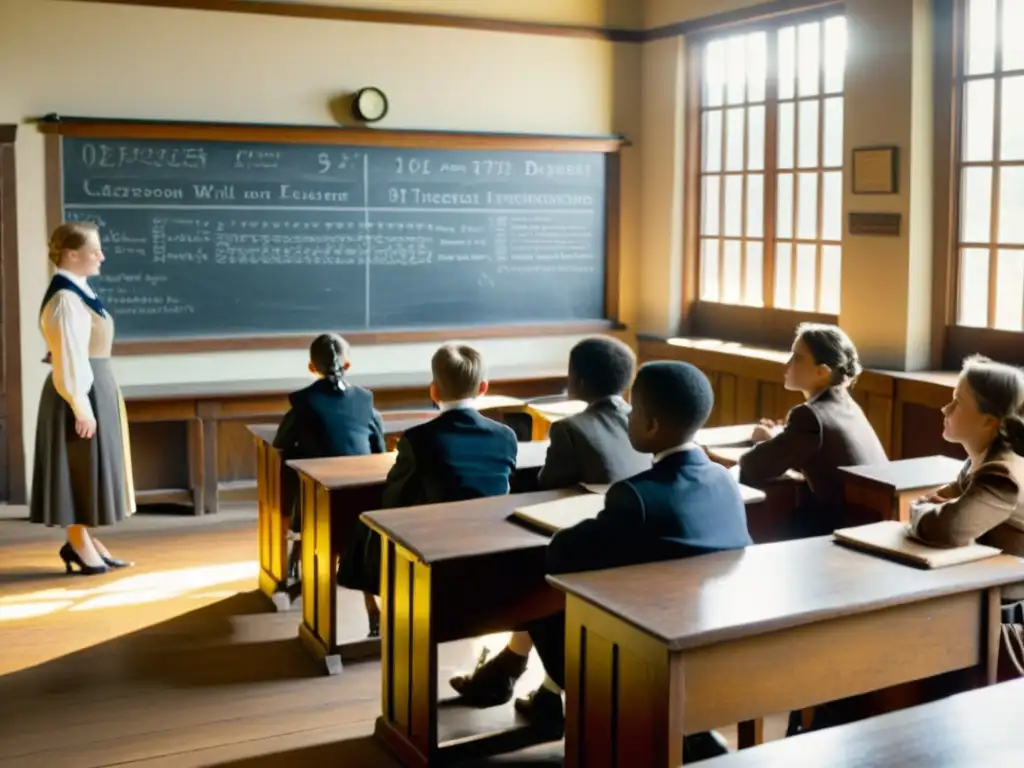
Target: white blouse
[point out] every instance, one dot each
(67, 325)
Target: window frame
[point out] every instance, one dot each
(951, 343)
(760, 325)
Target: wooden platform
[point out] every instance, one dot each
(179, 662)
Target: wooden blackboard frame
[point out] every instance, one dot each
(56, 127)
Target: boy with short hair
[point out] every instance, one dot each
(458, 455)
(684, 506)
(590, 447)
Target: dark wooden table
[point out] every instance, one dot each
(450, 572)
(885, 491)
(977, 729)
(273, 512)
(772, 520)
(656, 651)
(334, 492)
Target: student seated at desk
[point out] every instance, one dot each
(330, 417)
(683, 506)
(458, 455)
(590, 447)
(986, 503)
(826, 432)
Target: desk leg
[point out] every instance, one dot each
(318, 631)
(623, 694)
(541, 428)
(209, 428)
(195, 465)
(408, 723)
(272, 527)
(750, 733)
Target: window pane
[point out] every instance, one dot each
(736, 67)
(981, 36)
(979, 117)
(831, 278)
(709, 270)
(753, 286)
(835, 53)
(976, 206)
(973, 298)
(757, 65)
(714, 73)
(1012, 134)
(755, 139)
(807, 207)
(783, 275)
(734, 139)
(786, 135)
(809, 58)
(1011, 204)
(784, 206)
(832, 206)
(807, 141)
(732, 277)
(709, 206)
(1009, 290)
(733, 206)
(786, 42)
(806, 256)
(1013, 23)
(712, 141)
(833, 128)
(755, 205)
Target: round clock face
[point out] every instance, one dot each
(371, 104)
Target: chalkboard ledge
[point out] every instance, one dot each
(406, 336)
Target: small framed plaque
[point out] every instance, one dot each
(875, 171)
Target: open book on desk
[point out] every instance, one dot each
(892, 540)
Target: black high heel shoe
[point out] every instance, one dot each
(113, 562)
(69, 556)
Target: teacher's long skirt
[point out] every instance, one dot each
(77, 481)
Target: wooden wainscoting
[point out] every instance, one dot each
(902, 407)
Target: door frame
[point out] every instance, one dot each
(10, 323)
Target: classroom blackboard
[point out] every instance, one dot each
(214, 239)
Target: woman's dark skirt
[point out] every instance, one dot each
(77, 481)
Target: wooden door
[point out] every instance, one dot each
(12, 454)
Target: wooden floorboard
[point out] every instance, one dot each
(179, 661)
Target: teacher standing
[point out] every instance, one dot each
(83, 472)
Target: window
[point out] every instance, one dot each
(771, 165)
(990, 236)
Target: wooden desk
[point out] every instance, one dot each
(546, 413)
(190, 444)
(335, 492)
(768, 522)
(442, 583)
(969, 730)
(274, 514)
(684, 646)
(885, 491)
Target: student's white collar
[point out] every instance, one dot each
(677, 449)
(79, 280)
(453, 405)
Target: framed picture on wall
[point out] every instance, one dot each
(875, 171)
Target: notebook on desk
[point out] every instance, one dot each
(891, 539)
(553, 516)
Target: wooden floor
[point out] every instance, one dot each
(180, 662)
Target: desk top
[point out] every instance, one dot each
(735, 435)
(552, 411)
(982, 727)
(283, 386)
(395, 423)
(263, 432)
(909, 474)
(476, 527)
(730, 455)
(339, 472)
(730, 595)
